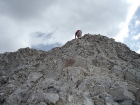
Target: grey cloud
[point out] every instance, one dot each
(90, 16)
(46, 47)
(23, 18)
(24, 9)
(11, 43)
(39, 38)
(42, 35)
(100, 16)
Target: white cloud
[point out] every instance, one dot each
(20, 20)
(138, 51)
(124, 25)
(136, 37)
(137, 23)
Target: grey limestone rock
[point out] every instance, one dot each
(3, 79)
(93, 70)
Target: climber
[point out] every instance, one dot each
(78, 34)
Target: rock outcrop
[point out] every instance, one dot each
(93, 70)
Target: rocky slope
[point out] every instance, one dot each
(93, 70)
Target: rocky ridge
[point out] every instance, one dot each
(93, 70)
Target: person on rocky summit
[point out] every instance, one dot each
(78, 34)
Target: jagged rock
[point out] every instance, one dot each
(88, 101)
(99, 102)
(51, 97)
(42, 103)
(34, 76)
(138, 95)
(121, 94)
(2, 100)
(127, 102)
(93, 70)
(3, 79)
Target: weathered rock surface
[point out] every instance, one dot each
(93, 70)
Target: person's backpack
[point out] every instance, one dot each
(77, 32)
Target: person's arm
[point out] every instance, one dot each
(75, 36)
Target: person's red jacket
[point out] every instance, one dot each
(78, 33)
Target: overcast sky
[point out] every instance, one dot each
(43, 24)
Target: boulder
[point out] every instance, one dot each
(51, 98)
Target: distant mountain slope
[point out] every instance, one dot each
(93, 70)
